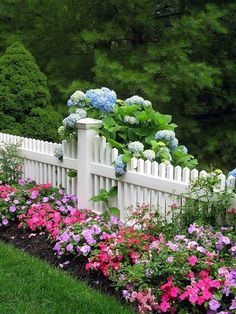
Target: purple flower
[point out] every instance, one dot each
(201, 249)
(76, 238)
(5, 221)
(96, 229)
(16, 202)
(21, 182)
(34, 195)
(12, 209)
(69, 247)
(85, 249)
(172, 246)
(126, 294)
(170, 259)
(60, 192)
(45, 199)
(64, 237)
(58, 203)
(233, 305)
(214, 305)
(192, 228)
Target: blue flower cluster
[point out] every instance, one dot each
(58, 152)
(135, 147)
(168, 137)
(135, 100)
(119, 166)
(103, 99)
(71, 120)
(232, 173)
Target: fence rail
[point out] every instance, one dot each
(92, 157)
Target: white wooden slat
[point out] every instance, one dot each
(96, 205)
(222, 178)
(102, 151)
(120, 201)
(147, 191)
(45, 173)
(231, 181)
(161, 195)
(140, 170)
(178, 174)
(169, 197)
(97, 142)
(194, 174)
(114, 154)
(186, 175)
(202, 173)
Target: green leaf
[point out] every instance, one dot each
(114, 211)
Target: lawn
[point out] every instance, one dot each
(29, 285)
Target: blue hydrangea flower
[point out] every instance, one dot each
(185, 150)
(135, 147)
(71, 120)
(103, 99)
(119, 166)
(232, 173)
(58, 152)
(174, 143)
(167, 135)
(135, 100)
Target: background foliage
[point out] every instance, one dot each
(179, 54)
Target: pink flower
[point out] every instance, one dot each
(164, 306)
(192, 260)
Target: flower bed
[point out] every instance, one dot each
(157, 268)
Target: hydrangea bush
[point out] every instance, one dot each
(132, 126)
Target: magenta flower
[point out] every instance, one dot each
(192, 260)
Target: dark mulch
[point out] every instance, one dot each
(40, 246)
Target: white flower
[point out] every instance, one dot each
(130, 120)
(147, 103)
(61, 130)
(77, 96)
(149, 154)
(135, 147)
(134, 100)
(81, 112)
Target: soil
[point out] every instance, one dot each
(39, 246)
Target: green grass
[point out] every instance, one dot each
(30, 286)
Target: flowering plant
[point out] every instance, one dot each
(24, 196)
(206, 202)
(11, 164)
(132, 126)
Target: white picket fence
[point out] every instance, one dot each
(92, 157)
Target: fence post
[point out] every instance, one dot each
(85, 144)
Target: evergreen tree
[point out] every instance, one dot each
(24, 95)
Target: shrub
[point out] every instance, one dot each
(24, 96)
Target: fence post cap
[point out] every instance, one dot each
(88, 123)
